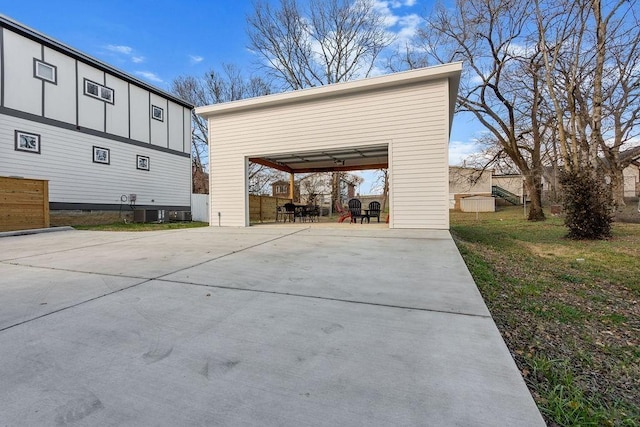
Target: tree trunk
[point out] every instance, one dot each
(533, 185)
(617, 187)
(335, 189)
(385, 190)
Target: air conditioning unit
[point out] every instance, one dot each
(150, 215)
(179, 215)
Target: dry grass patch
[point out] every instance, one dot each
(569, 311)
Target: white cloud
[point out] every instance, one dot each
(125, 50)
(148, 75)
(401, 26)
(196, 59)
(459, 151)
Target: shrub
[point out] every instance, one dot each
(587, 203)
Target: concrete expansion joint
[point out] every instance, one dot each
(81, 247)
(317, 297)
(72, 306)
(143, 279)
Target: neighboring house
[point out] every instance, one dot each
(513, 183)
(632, 179)
(480, 186)
(631, 176)
(97, 134)
(467, 182)
(280, 189)
(316, 188)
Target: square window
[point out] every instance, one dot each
(157, 113)
(106, 94)
(91, 88)
(44, 71)
(29, 142)
(142, 162)
(101, 155)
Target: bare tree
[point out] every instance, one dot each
(330, 41)
(213, 88)
(592, 67)
(501, 81)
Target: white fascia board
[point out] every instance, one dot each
(451, 71)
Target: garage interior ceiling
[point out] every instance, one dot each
(347, 159)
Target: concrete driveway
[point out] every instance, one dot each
(348, 326)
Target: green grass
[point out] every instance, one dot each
(121, 226)
(568, 310)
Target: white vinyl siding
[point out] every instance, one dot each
(118, 112)
(159, 128)
(140, 117)
(91, 110)
(24, 93)
(411, 119)
(66, 161)
(186, 120)
(175, 124)
(60, 99)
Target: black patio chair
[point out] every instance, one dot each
(374, 210)
(313, 213)
(289, 212)
(355, 207)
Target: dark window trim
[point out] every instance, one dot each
(100, 88)
(35, 71)
(108, 162)
(138, 158)
(16, 137)
(153, 116)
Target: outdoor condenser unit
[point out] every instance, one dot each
(179, 215)
(150, 215)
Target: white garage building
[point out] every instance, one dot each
(400, 121)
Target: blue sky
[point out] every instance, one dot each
(160, 40)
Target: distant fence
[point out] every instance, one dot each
(200, 207)
(25, 204)
(263, 208)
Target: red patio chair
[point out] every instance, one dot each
(342, 212)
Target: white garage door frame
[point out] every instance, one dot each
(304, 130)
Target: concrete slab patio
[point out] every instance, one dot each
(265, 325)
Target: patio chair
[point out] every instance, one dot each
(355, 207)
(312, 213)
(374, 210)
(289, 212)
(342, 213)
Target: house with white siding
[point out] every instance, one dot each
(400, 121)
(97, 134)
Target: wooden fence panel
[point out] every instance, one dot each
(24, 204)
(263, 208)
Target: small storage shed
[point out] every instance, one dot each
(400, 121)
(478, 204)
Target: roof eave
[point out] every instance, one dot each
(450, 71)
(39, 37)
